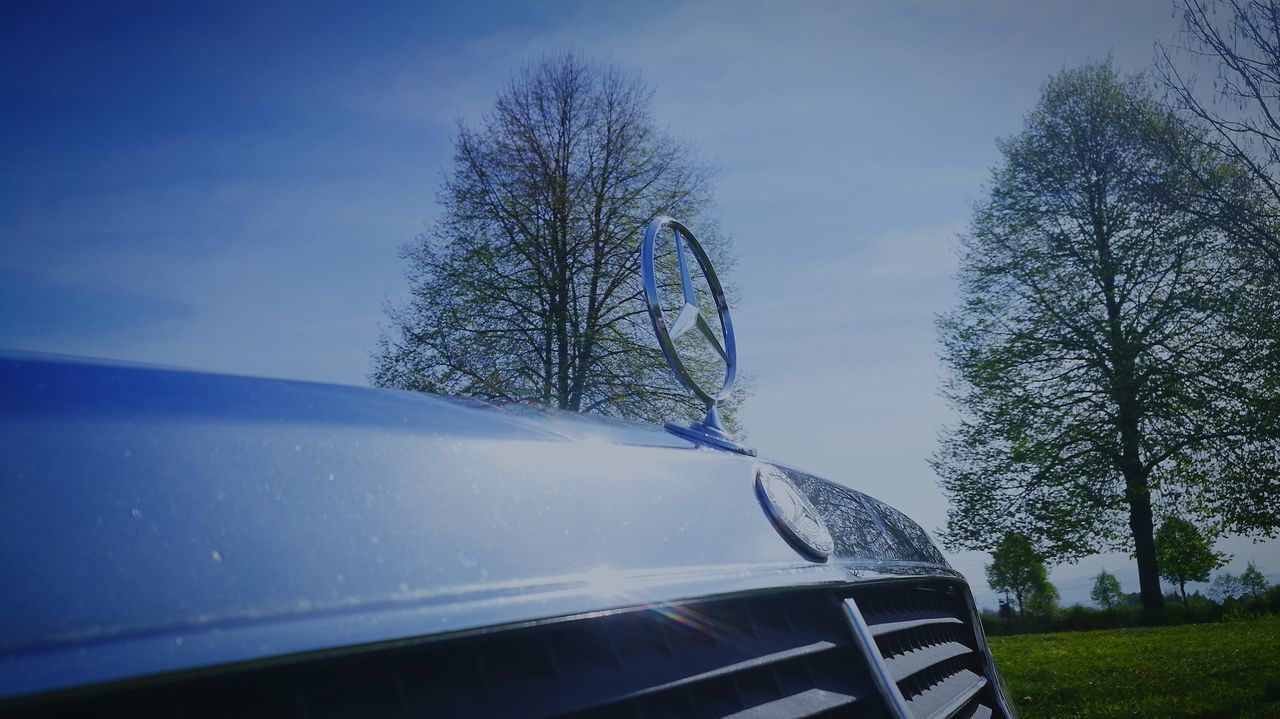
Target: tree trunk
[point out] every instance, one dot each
(563, 340)
(1182, 587)
(1144, 545)
(1124, 392)
(1141, 524)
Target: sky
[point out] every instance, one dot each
(225, 186)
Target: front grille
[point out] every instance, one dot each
(923, 642)
(789, 654)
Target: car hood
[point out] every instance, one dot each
(157, 519)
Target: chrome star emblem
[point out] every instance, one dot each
(792, 514)
(689, 317)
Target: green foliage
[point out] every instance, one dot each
(1080, 618)
(1270, 601)
(1097, 355)
(1185, 554)
(1042, 604)
(1075, 618)
(1253, 582)
(1205, 670)
(1017, 569)
(1106, 590)
(1196, 609)
(526, 288)
(1246, 594)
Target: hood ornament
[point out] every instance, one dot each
(690, 318)
(792, 514)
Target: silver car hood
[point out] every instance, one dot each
(158, 520)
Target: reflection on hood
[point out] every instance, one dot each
(864, 527)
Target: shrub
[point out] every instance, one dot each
(1271, 600)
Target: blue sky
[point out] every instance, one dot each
(224, 186)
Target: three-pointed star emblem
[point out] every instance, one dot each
(690, 316)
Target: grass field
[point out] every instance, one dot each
(1206, 670)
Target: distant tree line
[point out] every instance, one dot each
(1115, 352)
(1030, 603)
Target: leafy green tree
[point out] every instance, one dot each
(1185, 554)
(1253, 582)
(1017, 569)
(1095, 364)
(527, 286)
(1043, 601)
(1106, 590)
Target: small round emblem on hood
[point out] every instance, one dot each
(795, 518)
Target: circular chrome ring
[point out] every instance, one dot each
(689, 316)
(792, 514)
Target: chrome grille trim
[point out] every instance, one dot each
(925, 649)
(897, 704)
(782, 654)
(906, 649)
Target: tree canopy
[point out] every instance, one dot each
(1106, 590)
(526, 288)
(1097, 360)
(1185, 554)
(1253, 582)
(1016, 569)
(1042, 603)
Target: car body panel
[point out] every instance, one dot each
(158, 520)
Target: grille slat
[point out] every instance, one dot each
(891, 627)
(948, 697)
(808, 703)
(928, 650)
(905, 665)
(982, 711)
(732, 669)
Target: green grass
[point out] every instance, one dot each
(1206, 670)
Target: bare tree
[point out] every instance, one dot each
(1241, 38)
(527, 288)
